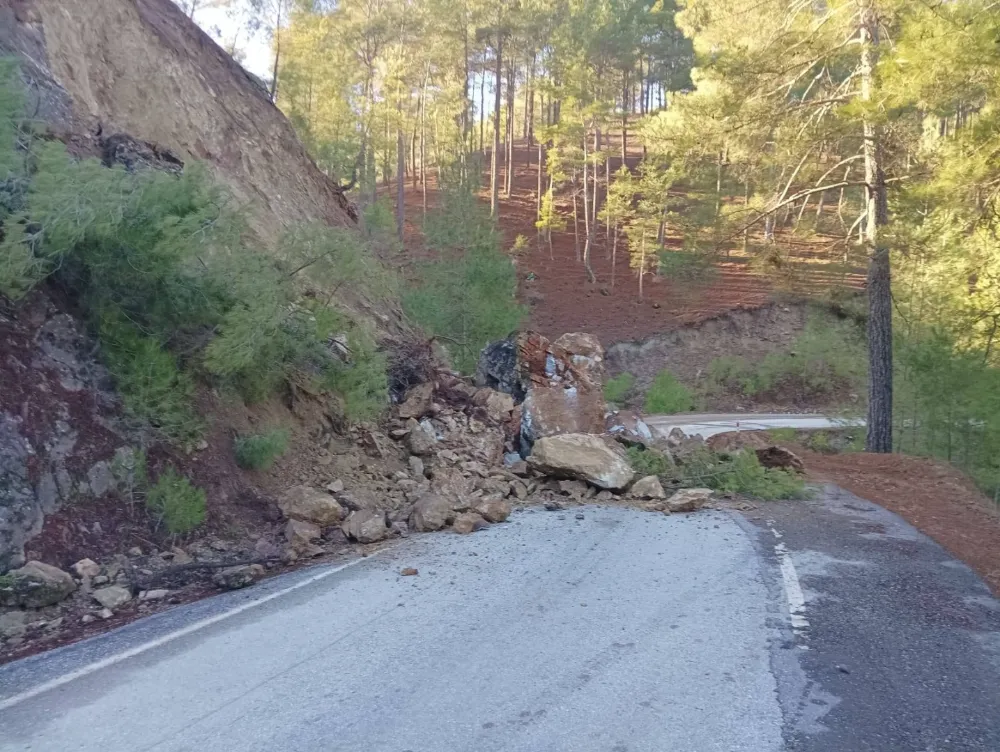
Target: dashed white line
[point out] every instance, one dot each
(163, 640)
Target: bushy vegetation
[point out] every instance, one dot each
(259, 451)
(649, 461)
(174, 285)
(737, 473)
(826, 359)
(668, 395)
(618, 389)
(948, 406)
(177, 504)
(466, 298)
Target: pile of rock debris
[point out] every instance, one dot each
(460, 454)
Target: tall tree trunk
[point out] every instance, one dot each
(482, 112)
(879, 438)
(531, 103)
(587, 224)
(511, 90)
(642, 261)
(625, 91)
(614, 256)
(576, 220)
(277, 52)
(495, 160)
(538, 192)
(400, 178)
(593, 201)
(423, 145)
(607, 190)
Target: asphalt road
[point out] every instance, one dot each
(709, 424)
(821, 625)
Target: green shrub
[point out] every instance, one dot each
(740, 473)
(177, 504)
(827, 357)
(467, 298)
(153, 389)
(686, 266)
(363, 383)
(259, 451)
(619, 388)
(649, 461)
(668, 395)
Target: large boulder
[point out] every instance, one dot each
(564, 385)
(311, 505)
(600, 462)
(112, 596)
(420, 439)
(493, 509)
(366, 526)
(431, 512)
(498, 406)
(35, 585)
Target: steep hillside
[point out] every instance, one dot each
(141, 67)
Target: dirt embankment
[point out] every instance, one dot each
(141, 67)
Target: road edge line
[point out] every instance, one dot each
(167, 638)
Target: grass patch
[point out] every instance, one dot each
(668, 395)
(781, 434)
(259, 451)
(177, 504)
(741, 473)
(618, 389)
(826, 359)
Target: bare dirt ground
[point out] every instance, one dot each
(554, 283)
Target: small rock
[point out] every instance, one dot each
(100, 580)
(468, 522)
(576, 489)
(366, 526)
(494, 509)
(55, 624)
(400, 528)
(689, 499)
(554, 506)
(266, 549)
(409, 572)
(421, 439)
(580, 516)
(101, 478)
(86, 568)
(13, 624)
(135, 552)
(237, 578)
(604, 496)
(335, 486)
(431, 512)
(311, 505)
(153, 595)
(181, 556)
(88, 619)
(416, 466)
(105, 613)
(35, 585)
(780, 458)
(300, 536)
(418, 401)
(112, 596)
(648, 488)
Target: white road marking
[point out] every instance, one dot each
(793, 588)
(160, 641)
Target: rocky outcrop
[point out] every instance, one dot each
(599, 462)
(82, 59)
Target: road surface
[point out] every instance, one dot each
(709, 424)
(827, 625)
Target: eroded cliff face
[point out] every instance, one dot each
(102, 67)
